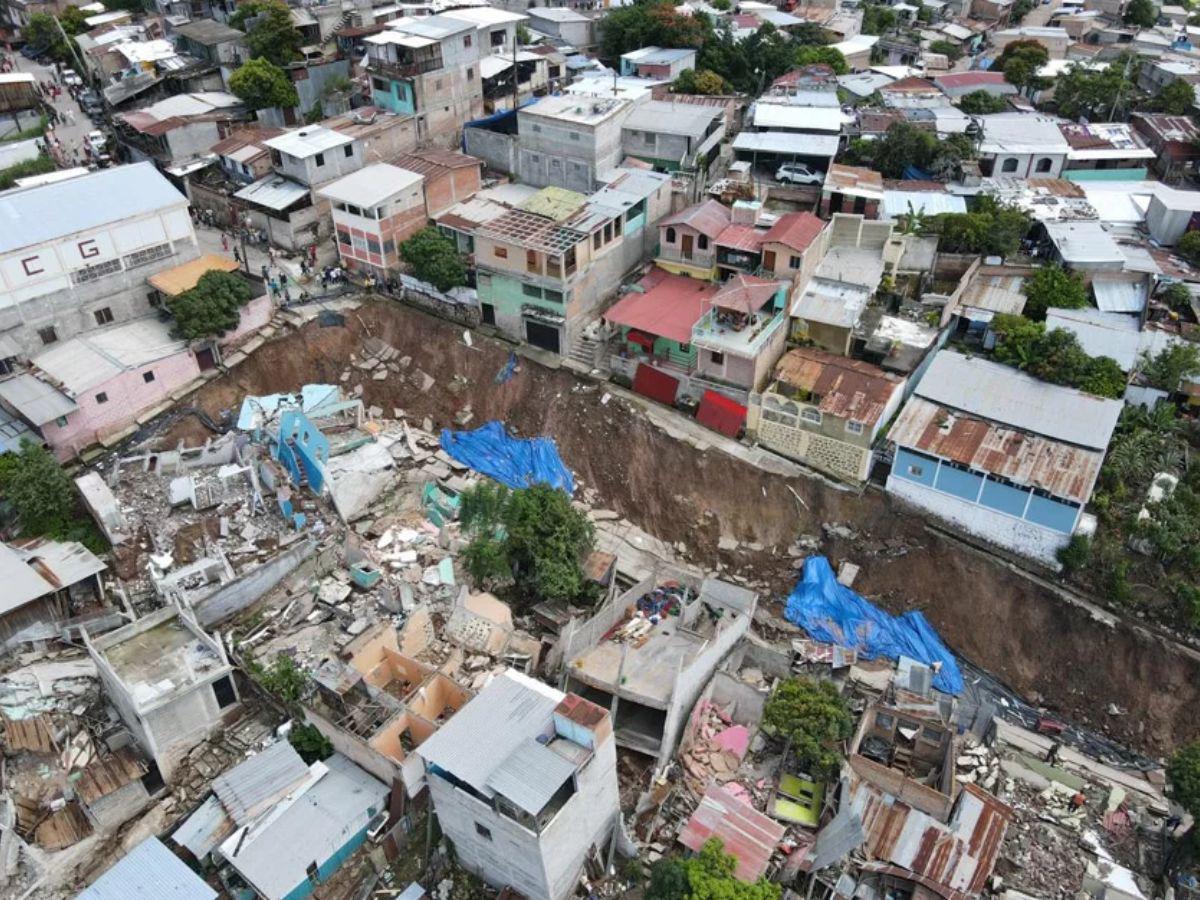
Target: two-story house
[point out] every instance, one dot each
(525, 807)
(375, 210)
(285, 204)
(665, 64)
(569, 141)
(674, 136)
(75, 254)
(825, 411)
(428, 68)
(741, 335)
(212, 42)
(688, 240)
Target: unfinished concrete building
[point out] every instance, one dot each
(171, 683)
(382, 703)
(907, 755)
(647, 655)
(524, 784)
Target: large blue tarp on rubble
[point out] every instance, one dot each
(833, 614)
(515, 462)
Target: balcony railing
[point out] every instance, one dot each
(402, 69)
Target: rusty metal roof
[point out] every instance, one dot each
(847, 388)
(742, 237)
(749, 836)
(1027, 459)
(957, 856)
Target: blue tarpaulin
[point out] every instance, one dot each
(514, 462)
(832, 613)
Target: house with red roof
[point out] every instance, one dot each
(959, 84)
(793, 247)
(654, 320)
(741, 334)
(688, 240)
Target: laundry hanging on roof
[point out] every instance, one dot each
(832, 613)
(514, 462)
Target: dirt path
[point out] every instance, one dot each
(1002, 621)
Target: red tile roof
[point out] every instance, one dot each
(795, 230)
(749, 836)
(745, 293)
(969, 79)
(669, 308)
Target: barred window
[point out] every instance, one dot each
(149, 255)
(99, 270)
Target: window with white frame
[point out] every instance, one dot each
(808, 414)
(854, 427)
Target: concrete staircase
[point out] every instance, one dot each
(585, 351)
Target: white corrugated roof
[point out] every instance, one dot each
(371, 185)
(1009, 397)
(530, 775)
(274, 192)
(473, 745)
(1114, 335)
(246, 788)
(21, 583)
(1119, 295)
(149, 872)
(930, 203)
(32, 215)
(35, 400)
(779, 115)
(786, 143)
(95, 357)
(1083, 242)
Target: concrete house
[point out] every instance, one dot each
(314, 155)
(1103, 151)
(674, 136)
(176, 133)
(524, 783)
(497, 27)
(1003, 456)
(75, 255)
(449, 177)
(567, 25)
(1025, 145)
(688, 240)
(1175, 141)
(657, 671)
(428, 67)
(213, 42)
(170, 683)
(825, 411)
(741, 334)
(244, 157)
(793, 247)
(375, 210)
(569, 141)
(657, 62)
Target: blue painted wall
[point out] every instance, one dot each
(1004, 498)
(913, 467)
(1052, 513)
(399, 98)
(326, 869)
(958, 482)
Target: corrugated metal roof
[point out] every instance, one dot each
(748, 835)
(38, 214)
(311, 825)
(1115, 335)
(247, 788)
(35, 400)
(663, 117)
(668, 306)
(274, 192)
(62, 563)
(787, 143)
(149, 872)
(1019, 456)
(741, 237)
(929, 203)
(848, 388)
(797, 230)
(530, 776)
(93, 358)
(205, 829)
(785, 115)
(1119, 295)
(371, 185)
(1004, 395)
(1083, 242)
(831, 302)
(21, 583)
(709, 218)
(958, 856)
(512, 709)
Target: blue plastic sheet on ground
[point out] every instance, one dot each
(514, 462)
(833, 614)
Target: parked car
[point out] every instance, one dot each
(799, 173)
(71, 78)
(97, 142)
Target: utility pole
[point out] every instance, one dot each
(70, 46)
(516, 80)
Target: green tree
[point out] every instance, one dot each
(212, 307)
(532, 537)
(1020, 62)
(1176, 296)
(1020, 10)
(709, 875)
(261, 84)
(903, 145)
(990, 228)
(74, 20)
(822, 56)
(878, 19)
(1053, 286)
(813, 718)
(281, 678)
(434, 258)
(41, 32)
(1055, 356)
(703, 82)
(1168, 367)
(1188, 247)
(39, 492)
(982, 103)
(950, 50)
(269, 30)
(1075, 555)
(1177, 99)
(654, 23)
(721, 5)
(309, 742)
(524, 35)
(1171, 527)
(1141, 13)
(1098, 94)
(39, 165)
(1183, 772)
(1026, 48)
(1016, 339)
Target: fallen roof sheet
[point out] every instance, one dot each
(251, 785)
(274, 192)
(1119, 294)
(748, 835)
(205, 829)
(531, 775)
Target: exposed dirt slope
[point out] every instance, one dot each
(999, 619)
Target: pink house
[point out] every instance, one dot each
(92, 387)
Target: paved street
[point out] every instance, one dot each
(70, 137)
